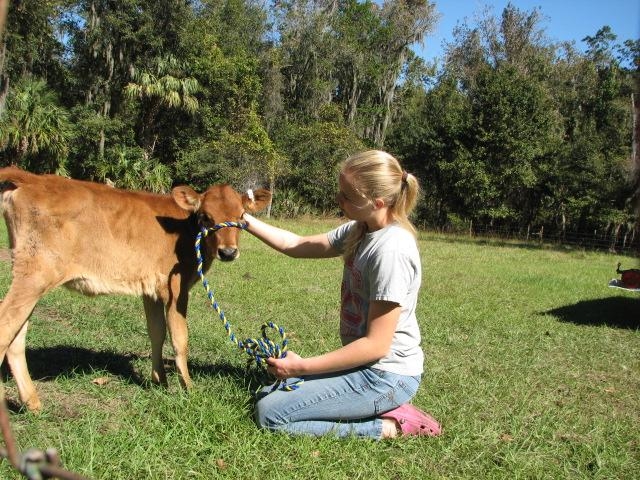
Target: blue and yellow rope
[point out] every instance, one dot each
(258, 349)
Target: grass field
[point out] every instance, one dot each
(532, 366)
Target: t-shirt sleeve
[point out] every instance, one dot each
(338, 236)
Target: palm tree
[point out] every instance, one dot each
(126, 167)
(164, 87)
(34, 128)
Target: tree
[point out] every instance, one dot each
(110, 41)
(490, 124)
(34, 129)
(432, 137)
(309, 55)
(350, 53)
(30, 45)
(602, 134)
(160, 91)
(404, 23)
(315, 150)
(516, 129)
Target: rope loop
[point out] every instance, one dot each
(257, 349)
(262, 348)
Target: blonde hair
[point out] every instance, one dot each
(377, 174)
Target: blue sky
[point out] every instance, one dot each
(569, 20)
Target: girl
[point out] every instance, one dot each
(362, 388)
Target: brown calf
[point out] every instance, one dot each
(100, 240)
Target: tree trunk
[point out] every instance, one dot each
(272, 188)
(4, 80)
(101, 144)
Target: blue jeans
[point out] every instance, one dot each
(343, 403)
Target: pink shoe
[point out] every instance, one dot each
(414, 421)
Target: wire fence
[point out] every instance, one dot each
(620, 240)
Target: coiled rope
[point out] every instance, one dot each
(258, 349)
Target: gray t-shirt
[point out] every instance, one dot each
(386, 267)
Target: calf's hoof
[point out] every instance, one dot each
(33, 404)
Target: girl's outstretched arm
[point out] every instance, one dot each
(289, 243)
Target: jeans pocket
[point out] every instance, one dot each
(401, 390)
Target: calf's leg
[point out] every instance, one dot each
(157, 330)
(18, 364)
(177, 323)
(14, 313)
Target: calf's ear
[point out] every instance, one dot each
(256, 200)
(186, 198)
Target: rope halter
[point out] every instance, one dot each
(257, 349)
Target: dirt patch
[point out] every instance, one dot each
(69, 403)
(5, 255)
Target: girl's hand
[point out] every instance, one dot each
(287, 367)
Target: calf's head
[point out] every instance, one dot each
(221, 203)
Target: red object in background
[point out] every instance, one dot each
(629, 278)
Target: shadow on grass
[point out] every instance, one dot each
(249, 378)
(48, 363)
(619, 312)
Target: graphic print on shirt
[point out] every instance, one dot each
(353, 306)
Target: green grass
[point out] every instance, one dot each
(532, 366)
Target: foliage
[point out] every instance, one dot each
(246, 158)
(315, 153)
(351, 54)
(516, 130)
(130, 168)
(34, 129)
(512, 130)
(289, 204)
(163, 90)
(519, 132)
(30, 44)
